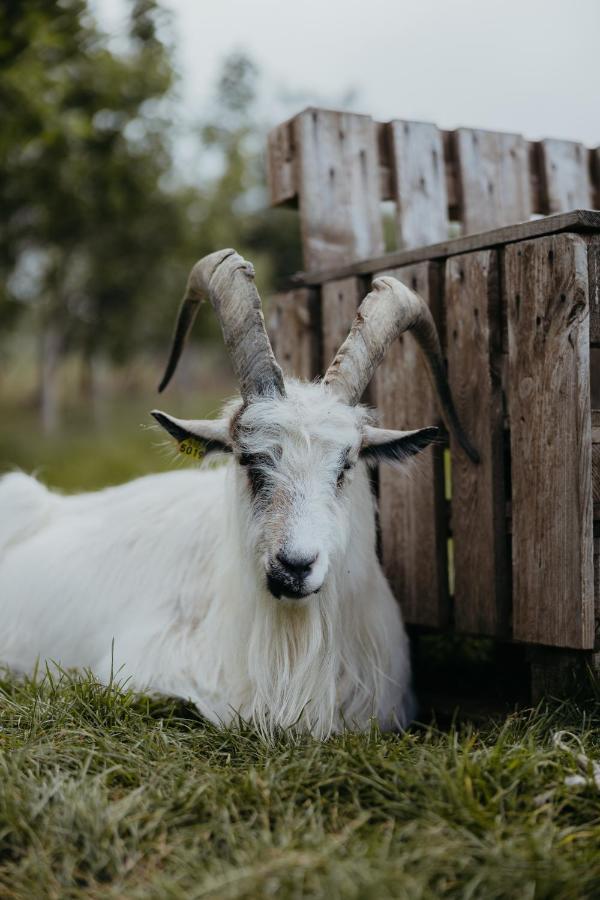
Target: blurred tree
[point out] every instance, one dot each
(233, 206)
(87, 229)
(97, 230)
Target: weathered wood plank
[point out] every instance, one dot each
(295, 328)
(578, 220)
(419, 183)
(384, 149)
(536, 179)
(452, 177)
(472, 302)
(594, 287)
(596, 470)
(340, 300)
(338, 186)
(595, 441)
(595, 173)
(281, 165)
(597, 594)
(566, 175)
(490, 178)
(595, 384)
(546, 284)
(494, 176)
(412, 507)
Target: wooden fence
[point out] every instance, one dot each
(518, 308)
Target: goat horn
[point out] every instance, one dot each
(228, 281)
(386, 312)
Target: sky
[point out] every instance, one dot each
(529, 66)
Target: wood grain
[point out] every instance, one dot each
(481, 601)
(419, 183)
(594, 288)
(411, 504)
(596, 469)
(546, 284)
(494, 176)
(281, 165)
(578, 220)
(566, 175)
(595, 174)
(597, 594)
(487, 178)
(340, 300)
(294, 329)
(338, 187)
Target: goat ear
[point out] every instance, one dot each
(211, 435)
(383, 445)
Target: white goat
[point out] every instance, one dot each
(252, 588)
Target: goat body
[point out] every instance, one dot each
(254, 589)
(158, 579)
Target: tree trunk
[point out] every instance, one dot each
(48, 388)
(91, 393)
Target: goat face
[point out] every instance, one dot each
(297, 458)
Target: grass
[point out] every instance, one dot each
(107, 795)
(91, 450)
(104, 794)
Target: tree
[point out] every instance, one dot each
(234, 203)
(98, 231)
(87, 229)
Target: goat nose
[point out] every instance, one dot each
(298, 566)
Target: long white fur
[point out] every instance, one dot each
(171, 568)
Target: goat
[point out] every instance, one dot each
(253, 588)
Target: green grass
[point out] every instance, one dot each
(90, 452)
(106, 795)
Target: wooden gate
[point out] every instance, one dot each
(506, 548)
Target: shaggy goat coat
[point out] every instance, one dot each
(163, 580)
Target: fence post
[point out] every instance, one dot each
(329, 160)
(412, 504)
(482, 584)
(294, 328)
(546, 284)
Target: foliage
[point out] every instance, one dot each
(97, 448)
(235, 201)
(98, 230)
(105, 795)
(87, 230)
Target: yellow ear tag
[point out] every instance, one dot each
(192, 448)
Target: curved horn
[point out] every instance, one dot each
(228, 281)
(386, 312)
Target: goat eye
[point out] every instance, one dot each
(253, 460)
(255, 464)
(342, 473)
(257, 480)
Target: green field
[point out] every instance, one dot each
(95, 448)
(108, 795)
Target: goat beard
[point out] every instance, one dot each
(307, 671)
(293, 666)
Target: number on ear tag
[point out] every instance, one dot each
(192, 448)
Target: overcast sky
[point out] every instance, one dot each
(529, 66)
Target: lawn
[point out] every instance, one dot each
(107, 795)
(96, 447)
(104, 794)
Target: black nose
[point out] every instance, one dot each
(298, 566)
